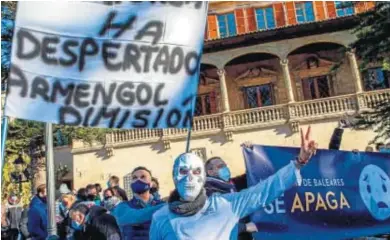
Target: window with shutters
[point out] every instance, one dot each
(344, 8)
(317, 87)
(227, 25)
(304, 12)
(376, 78)
(265, 18)
(258, 96)
(205, 104)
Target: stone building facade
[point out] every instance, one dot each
(268, 69)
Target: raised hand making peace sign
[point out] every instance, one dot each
(308, 147)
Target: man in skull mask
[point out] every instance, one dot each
(143, 201)
(190, 214)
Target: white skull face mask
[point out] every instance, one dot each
(189, 176)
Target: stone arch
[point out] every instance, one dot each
(207, 59)
(206, 66)
(297, 48)
(306, 73)
(249, 56)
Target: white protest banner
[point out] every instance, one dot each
(106, 64)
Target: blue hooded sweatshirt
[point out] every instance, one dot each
(219, 216)
(37, 219)
(126, 215)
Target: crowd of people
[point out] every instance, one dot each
(92, 213)
(379, 147)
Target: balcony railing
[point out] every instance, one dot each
(370, 99)
(258, 117)
(324, 106)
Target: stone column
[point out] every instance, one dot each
(355, 71)
(224, 93)
(287, 80)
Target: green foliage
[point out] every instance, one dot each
(10, 4)
(373, 33)
(8, 187)
(373, 45)
(377, 119)
(20, 132)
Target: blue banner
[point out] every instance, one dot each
(342, 195)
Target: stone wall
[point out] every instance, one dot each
(96, 167)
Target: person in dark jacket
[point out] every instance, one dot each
(113, 182)
(93, 223)
(65, 230)
(218, 177)
(137, 208)
(218, 181)
(37, 215)
(25, 234)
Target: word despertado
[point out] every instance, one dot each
(167, 59)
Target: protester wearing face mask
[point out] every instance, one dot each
(139, 209)
(218, 182)
(380, 146)
(64, 227)
(218, 177)
(14, 215)
(37, 215)
(113, 182)
(111, 199)
(93, 194)
(190, 214)
(93, 223)
(386, 149)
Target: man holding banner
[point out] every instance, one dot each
(190, 214)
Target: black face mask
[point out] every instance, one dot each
(91, 197)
